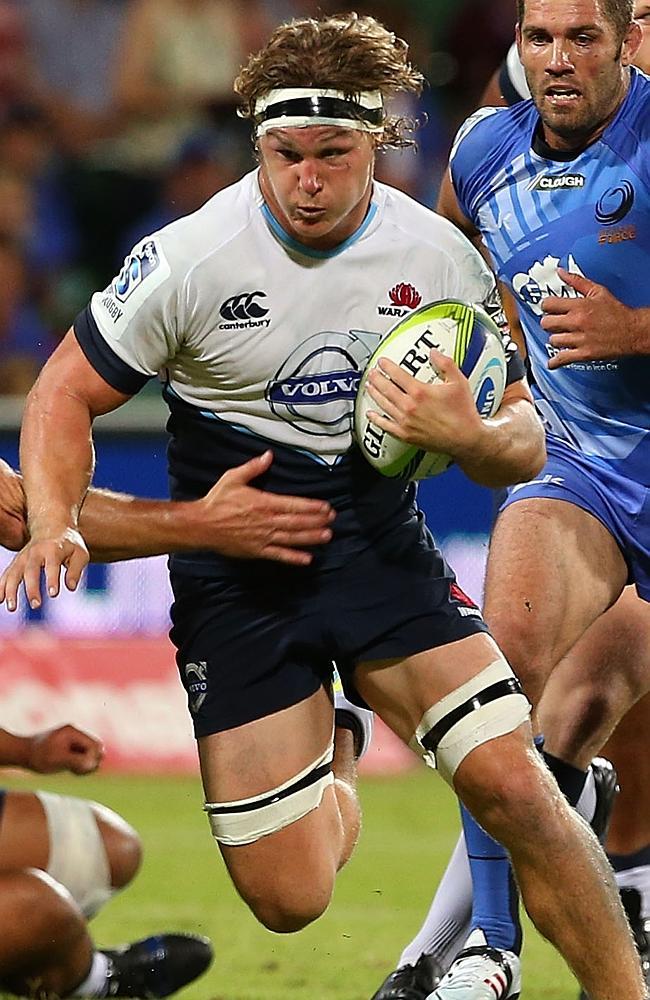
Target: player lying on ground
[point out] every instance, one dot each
(61, 860)
(239, 305)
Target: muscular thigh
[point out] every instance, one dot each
(24, 835)
(260, 757)
(553, 569)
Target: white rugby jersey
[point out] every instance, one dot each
(261, 340)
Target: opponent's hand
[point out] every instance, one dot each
(591, 328)
(50, 555)
(63, 749)
(237, 519)
(439, 417)
(13, 526)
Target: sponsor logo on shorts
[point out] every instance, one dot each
(137, 268)
(244, 311)
(403, 297)
(558, 182)
(196, 681)
(547, 480)
(466, 606)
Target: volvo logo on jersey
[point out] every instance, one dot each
(244, 311)
(315, 388)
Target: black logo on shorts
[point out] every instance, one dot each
(243, 306)
(615, 204)
(196, 682)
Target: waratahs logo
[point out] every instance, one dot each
(314, 390)
(405, 295)
(543, 281)
(136, 268)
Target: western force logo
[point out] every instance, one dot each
(314, 390)
(557, 182)
(137, 267)
(615, 204)
(542, 281)
(244, 311)
(403, 297)
(196, 682)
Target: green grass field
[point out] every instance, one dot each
(410, 823)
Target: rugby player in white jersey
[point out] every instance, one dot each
(260, 311)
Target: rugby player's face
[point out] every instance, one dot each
(642, 16)
(575, 67)
(317, 181)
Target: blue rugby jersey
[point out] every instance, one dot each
(589, 212)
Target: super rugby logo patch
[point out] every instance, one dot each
(137, 267)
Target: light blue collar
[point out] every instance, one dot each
(297, 247)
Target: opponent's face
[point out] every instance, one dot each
(317, 181)
(575, 67)
(642, 16)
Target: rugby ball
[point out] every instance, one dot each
(462, 332)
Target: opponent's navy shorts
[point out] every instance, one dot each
(264, 638)
(621, 504)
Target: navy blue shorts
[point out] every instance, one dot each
(264, 638)
(621, 504)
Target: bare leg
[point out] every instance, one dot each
(44, 945)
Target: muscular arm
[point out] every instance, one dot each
(64, 748)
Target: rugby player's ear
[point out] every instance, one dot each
(518, 37)
(631, 43)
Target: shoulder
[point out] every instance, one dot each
(418, 223)
(629, 134)
(494, 131)
(188, 241)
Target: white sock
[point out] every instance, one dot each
(586, 804)
(446, 925)
(637, 878)
(96, 982)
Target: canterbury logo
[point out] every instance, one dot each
(244, 306)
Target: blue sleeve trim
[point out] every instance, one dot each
(106, 363)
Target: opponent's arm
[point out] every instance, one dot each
(594, 327)
(64, 748)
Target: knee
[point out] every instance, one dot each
(122, 845)
(291, 902)
(505, 786)
(41, 903)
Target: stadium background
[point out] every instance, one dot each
(73, 198)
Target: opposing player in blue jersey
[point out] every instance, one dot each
(261, 310)
(601, 676)
(558, 189)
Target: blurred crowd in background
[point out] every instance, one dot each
(117, 116)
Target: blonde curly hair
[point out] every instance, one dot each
(351, 53)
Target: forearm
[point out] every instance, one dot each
(640, 332)
(116, 526)
(14, 750)
(56, 456)
(509, 448)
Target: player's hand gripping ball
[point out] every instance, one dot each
(462, 332)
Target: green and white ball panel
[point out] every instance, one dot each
(460, 331)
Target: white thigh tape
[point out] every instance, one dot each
(489, 705)
(247, 820)
(77, 854)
